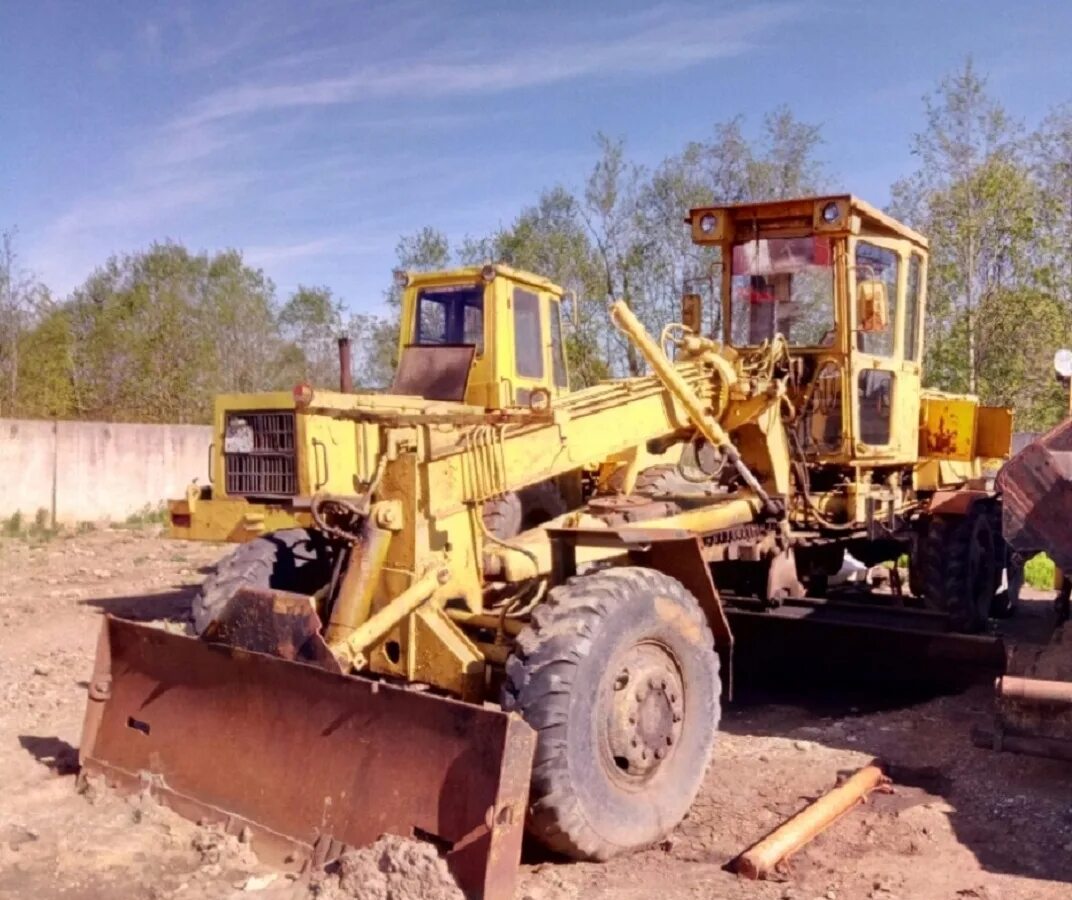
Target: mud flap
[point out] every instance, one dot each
(309, 760)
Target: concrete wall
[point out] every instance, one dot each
(93, 471)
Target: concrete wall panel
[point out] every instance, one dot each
(92, 471)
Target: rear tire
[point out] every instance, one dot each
(289, 560)
(618, 674)
(958, 571)
(510, 514)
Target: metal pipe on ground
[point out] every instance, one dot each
(1034, 690)
(760, 859)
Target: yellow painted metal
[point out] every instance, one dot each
(699, 414)
(494, 382)
(993, 432)
(947, 426)
(517, 566)
(351, 649)
(357, 587)
(233, 520)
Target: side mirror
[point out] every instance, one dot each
(692, 312)
(872, 306)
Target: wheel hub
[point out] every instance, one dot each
(646, 710)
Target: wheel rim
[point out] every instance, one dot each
(644, 713)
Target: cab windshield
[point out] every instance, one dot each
(782, 286)
(451, 314)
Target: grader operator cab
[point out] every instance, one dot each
(489, 336)
(439, 623)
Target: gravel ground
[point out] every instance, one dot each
(961, 822)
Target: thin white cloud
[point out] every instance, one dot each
(141, 203)
(265, 255)
(678, 38)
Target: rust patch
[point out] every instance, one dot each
(310, 760)
(671, 612)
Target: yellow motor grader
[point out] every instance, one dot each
(481, 601)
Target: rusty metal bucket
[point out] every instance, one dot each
(1036, 489)
(309, 760)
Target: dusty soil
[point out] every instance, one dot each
(961, 823)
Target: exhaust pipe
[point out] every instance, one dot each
(346, 379)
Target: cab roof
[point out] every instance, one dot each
(863, 217)
(464, 274)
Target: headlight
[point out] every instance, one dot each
(1062, 363)
(708, 221)
(831, 213)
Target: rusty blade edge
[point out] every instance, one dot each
(272, 847)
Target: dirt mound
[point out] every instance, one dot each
(393, 868)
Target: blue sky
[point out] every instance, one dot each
(312, 134)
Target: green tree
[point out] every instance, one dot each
(155, 334)
(974, 197)
(549, 238)
(311, 321)
(1051, 156)
(23, 302)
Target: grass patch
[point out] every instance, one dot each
(147, 515)
(1039, 572)
(40, 528)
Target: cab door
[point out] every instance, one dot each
(538, 352)
(883, 384)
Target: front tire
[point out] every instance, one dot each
(958, 571)
(288, 560)
(618, 674)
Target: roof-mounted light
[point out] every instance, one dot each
(831, 213)
(708, 223)
(401, 278)
(488, 273)
(302, 394)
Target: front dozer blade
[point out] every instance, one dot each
(278, 623)
(309, 760)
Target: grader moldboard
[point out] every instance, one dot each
(481, 601)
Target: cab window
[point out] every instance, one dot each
(782, 286)
(558, 356)
(911, 335)
(451, 315)
(877, 264)
(528, 335)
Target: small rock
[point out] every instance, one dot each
(259, 882)
(42, 670)
(801, 745)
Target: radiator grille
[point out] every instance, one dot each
(266, 466)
